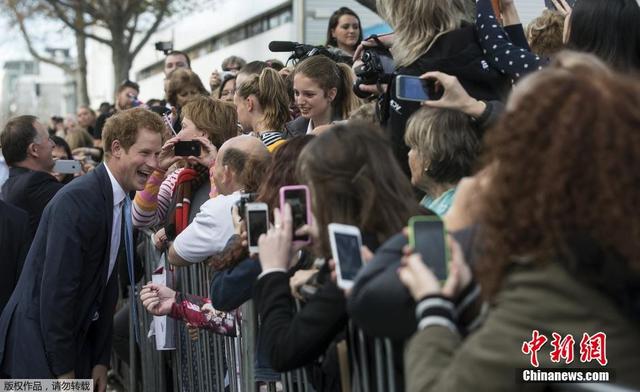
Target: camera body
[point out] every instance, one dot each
(164, 46)
(377, 68)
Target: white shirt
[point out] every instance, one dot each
(116, 227)
(210, 230)
(4, 172)
(310, 127)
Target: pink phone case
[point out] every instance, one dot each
(287, 188)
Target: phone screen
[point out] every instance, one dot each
(257, 226)
(187, 148)
(349, 257)
(430, 243)
(297, 199)
(412, 88)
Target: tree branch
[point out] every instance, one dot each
(63, 17)
(32, 50)
(159, 16)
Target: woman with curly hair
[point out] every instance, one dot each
(559, 253)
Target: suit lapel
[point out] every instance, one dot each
(106, 191)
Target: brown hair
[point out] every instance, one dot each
(125, 124)
(78, 137)
(179, 79)
(328, 74)
(282, 170)
(544, 33)
(333, 24)
(563, 163)
(18, 134)
(217, 118)
(354, 179)
(271, 91)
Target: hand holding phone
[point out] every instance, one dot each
(346, 244)
(187, 148)
(413, 88)
(297, 196)
(257, 218)
(427, 237)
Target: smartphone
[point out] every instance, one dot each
(67, 166)
(257, 218)
(346, 242)
(298, 198)
(427, 236)
(549, 4)
(187, 148)
(412, 88)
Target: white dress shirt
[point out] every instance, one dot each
(116, 227)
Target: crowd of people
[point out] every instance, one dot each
(524, 150)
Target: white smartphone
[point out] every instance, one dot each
(67, 166)
(346, 242)
(257, 218)
(412, 88)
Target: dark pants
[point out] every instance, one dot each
(121, 332)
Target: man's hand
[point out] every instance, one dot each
(157, 299)
(99, 376)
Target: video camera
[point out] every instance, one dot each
(302, 51)
(377, 68)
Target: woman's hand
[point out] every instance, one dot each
(160, 239)
(299, 279)
(239, 225)
(454, 96)
(421, 281)
(386, 40)
(167, 157)
(157, 299)
(208, 153)
(275, 246)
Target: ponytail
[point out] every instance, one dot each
(349, 101)
(271, 91)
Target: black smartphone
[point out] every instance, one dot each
(297, 196)
(549, 4)
(187, 148)
(427, 237)
(257, 223)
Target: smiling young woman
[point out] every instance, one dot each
(344, 30)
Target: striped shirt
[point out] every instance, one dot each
(151, 204)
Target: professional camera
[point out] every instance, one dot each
(164, 46)
(242, 203)
(302, 51)
(377, 68)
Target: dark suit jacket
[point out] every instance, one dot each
(31, 191)
(59, 317)
(14, 244)
(296, 127)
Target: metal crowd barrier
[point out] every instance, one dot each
(211, 363)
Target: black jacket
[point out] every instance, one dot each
(455, 53)
(14, 245)
(296, 127)
(30, 191)
(60, 315)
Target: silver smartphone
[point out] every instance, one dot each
(67, 166)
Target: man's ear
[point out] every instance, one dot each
(32, 150)
(227, 174)
(116, 149)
